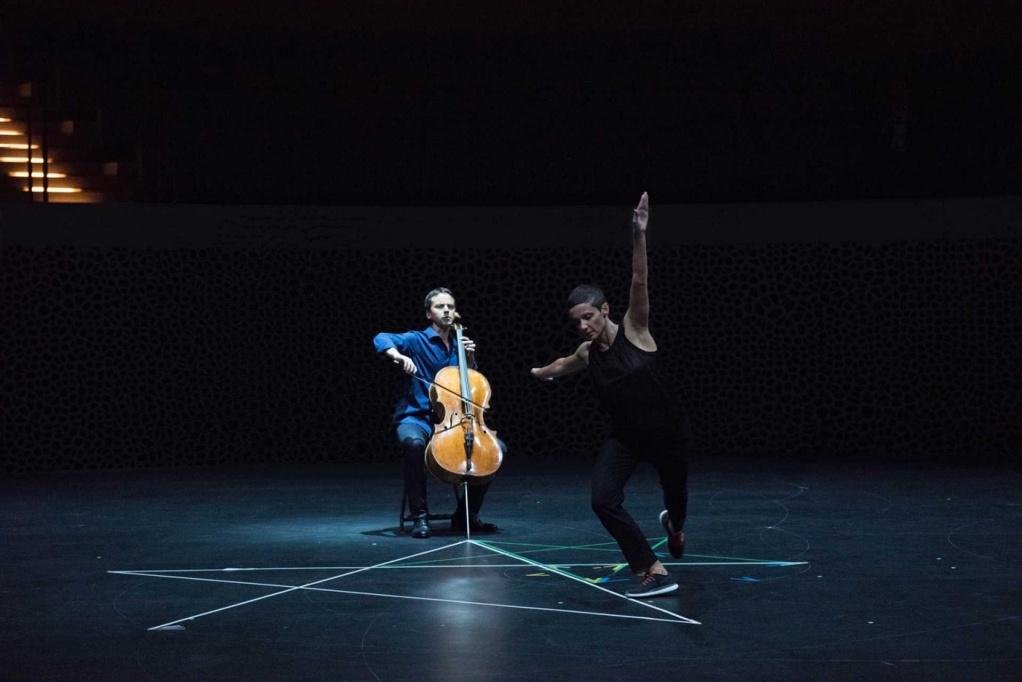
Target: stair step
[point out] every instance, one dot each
(115, 169)
(16, 112)
(83, 182)
(61, 133)
(86, 198)
(56, 154)
(89, 196)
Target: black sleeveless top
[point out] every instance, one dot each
(633, 388)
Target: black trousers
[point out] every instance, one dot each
(615, 462)
(413, 440)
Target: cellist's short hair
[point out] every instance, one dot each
(586, 293)
(436, 292)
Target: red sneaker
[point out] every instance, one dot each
(675, 539)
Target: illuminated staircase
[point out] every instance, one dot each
(75, 171)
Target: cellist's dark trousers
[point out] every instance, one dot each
(615, 462)
(413, 439)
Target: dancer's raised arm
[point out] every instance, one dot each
(636, 318)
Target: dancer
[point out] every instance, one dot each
(625, 366)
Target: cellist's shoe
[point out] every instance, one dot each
(675, 539)
(421, 528)
(474, 524)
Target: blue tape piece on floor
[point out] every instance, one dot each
(746, 579)
(612, 580)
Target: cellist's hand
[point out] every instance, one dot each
(469, 344)
(405, 362)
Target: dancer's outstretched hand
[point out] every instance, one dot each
(640, 216)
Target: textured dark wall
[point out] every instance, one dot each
(136, 356)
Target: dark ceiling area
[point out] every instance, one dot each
(535, 103)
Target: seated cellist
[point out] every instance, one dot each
(423, 353)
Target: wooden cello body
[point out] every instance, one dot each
(463, 448)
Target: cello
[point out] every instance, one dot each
(462, 449)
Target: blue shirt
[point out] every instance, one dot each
(427, 351)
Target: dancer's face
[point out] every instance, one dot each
(441, 310)
(588, 320)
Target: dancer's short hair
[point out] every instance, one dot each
(586, 293)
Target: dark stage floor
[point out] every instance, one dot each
(793, 571)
